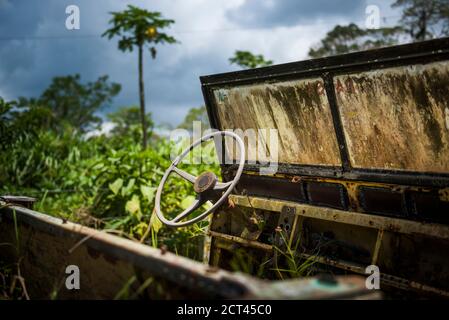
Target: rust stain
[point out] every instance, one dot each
(95, 254)
(397, 118)
(298, 109)
(446, 116)
(444, 194)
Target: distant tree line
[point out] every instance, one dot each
(420, 20)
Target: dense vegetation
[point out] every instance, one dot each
(105, 181)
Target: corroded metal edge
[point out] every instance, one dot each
(375, 57)
(378, 223)
(178, 270)
(352, 218)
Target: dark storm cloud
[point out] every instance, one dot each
(35, 46)
(274, 13)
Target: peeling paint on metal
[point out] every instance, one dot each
(444, 194)
(446, 115)
(397, 118)
(298, 109)
(346, 217)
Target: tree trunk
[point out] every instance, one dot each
(142, 99)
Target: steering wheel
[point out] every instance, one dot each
(206, 185)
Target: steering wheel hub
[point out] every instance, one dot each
(206, 181)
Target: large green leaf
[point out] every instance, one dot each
(187, 201)
(116, 186)
(148, 192)
(133, 207)
(128, 189)
(155, 223)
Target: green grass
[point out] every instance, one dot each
(12, 284)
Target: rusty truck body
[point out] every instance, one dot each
(363, 162)
(361, 179)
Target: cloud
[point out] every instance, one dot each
(273, 13)
(106, 128)
(41, 48)
(35, 45)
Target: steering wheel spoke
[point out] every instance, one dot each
(187, 176)
(195, 205)
(220, 186)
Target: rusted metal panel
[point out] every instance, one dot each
(388, 112)
(397, 118)
(352, 218)
(299, 110)
(273, 187)
(404, 201)
(386, 279)
(408, 254)
(388, 118)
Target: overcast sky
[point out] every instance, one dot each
(36, 46)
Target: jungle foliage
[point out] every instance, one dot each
(107, 181)
(419, 20)
(248, 60)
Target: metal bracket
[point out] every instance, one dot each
(285, 226)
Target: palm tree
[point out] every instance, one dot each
(136, 28)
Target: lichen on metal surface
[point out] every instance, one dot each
(298, 109)
(353, 218)
(397, 118)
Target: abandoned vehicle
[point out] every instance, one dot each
(360, 179)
